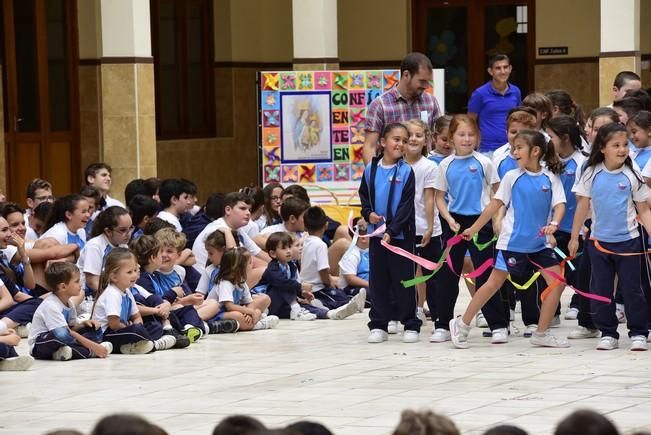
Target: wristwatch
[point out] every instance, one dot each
(26, 261)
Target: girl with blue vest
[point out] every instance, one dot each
(387, 194)
(441, 147)
(616, 190)
(468, 179)
(531, 194)
(639, 132)
(68, 219)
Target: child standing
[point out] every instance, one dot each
(530, 194)
(428, 240)
(387, 194)
(55, 332)
(440, 137)
(468, 177)
(234, 295)
(115, 308)
(615, 190)
(315, 270)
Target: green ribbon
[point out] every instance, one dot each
(482, 246)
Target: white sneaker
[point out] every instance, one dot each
(638, 343)
(547, 340)
(268, 322)
(16, 364)
(556, 322)
(108, 346)
(420, 314)
(620, 313)
(302, 314)
(392, 327)
(360, 300)
(480, 321)
(377, 336)
(23, 330)
(518, 307)
(580, 332)
(317, 303)
(571, 313)
(511, 315)
(500, 336)
(607, 343)
(139, 347)
(440, 335)
(344, 311)
(64, 353)
(459, 333)
(165, 342)
(410, 336)
(529, 330)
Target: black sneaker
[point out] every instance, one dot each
(181, 340)
(223, 326)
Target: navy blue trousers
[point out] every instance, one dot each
(131, 334)
(431, 252)
(7, 351)
(387, 270)
(332, 298)
(49, 342)
(447, 286)
(604, 269)
(22, 312)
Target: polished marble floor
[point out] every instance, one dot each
(325, 371)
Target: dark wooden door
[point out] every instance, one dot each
(461, 35)
(41, 109)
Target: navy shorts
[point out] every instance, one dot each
(519, 264)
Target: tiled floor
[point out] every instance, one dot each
(325, 370)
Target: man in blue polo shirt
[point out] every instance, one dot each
(491, 103)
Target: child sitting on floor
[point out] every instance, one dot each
(353, 266)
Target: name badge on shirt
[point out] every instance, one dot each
(424, 116)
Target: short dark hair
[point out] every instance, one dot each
(298, 191)
(292, 206)
(630, 105)
(238, 425)
(8, 208)
(133, 188)
(413, 62)
(231, 199)
(314, 218)
(305, 427)
(278, 239)
(505, 429)
(126, 424)
(142, 206)
(108, 218)
(59, 272)
(154, 224)
(625, 76)
(586, 422)
(152, 184)
(171, 188)
(189, 187)
(496, 58)
(90, 192)
(43, 211)
(94, 168)
(35, 184)
(215, 205)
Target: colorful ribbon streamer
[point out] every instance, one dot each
(560, 280)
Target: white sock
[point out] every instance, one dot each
(259, 325)
(420, 310)
(167, 327)
(295, 307)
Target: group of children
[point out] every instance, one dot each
(84, 276)
(517, 214)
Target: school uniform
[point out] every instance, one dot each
(503, 160)
(641, 156)
(389, 192)
(61, 234)
(282, 286)
(226, 291)
(153, 324)
(91, 258)
(468, 181)
(613, 194)
(425, 172)
(193, 226)
(51, 330)
(314, 259)
(6, 256)
(115, 302)
(172, 219)
(185, 315)
(436, 157)
(199, 248)
(20, 312)
(207, 280)
(251, 229)
(353, 262)
(280, 228)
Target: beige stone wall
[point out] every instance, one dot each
(574, 24)
(581, 80)
(373, 29)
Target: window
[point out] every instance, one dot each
(521, 19)
(182, 44)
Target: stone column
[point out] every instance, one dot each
(128, 125)
(620, 43)
(314, 25)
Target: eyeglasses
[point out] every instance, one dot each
(49, 198)
(276, 198)
(123, 230)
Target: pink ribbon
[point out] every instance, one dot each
(427, 264)
(378, 231)
(557, 277)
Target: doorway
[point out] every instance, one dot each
(461, 35)
(41, 109)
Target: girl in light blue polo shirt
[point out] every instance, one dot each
(617, 192)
